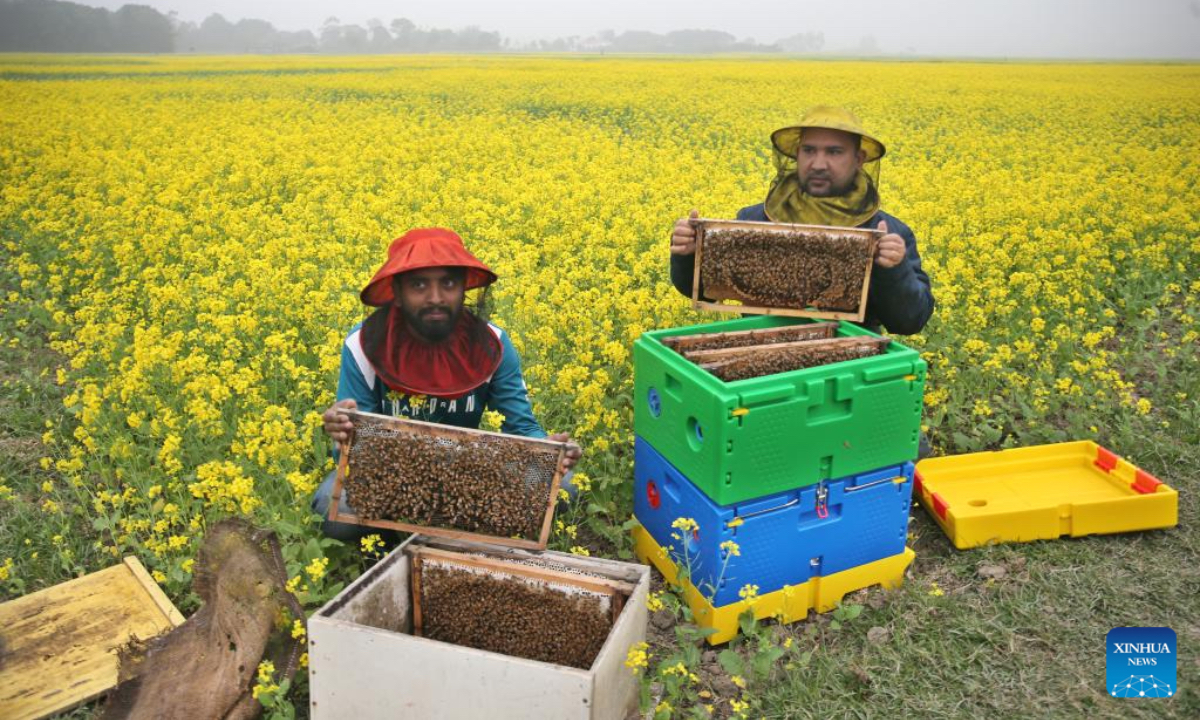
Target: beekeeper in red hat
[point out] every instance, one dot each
(425, 353)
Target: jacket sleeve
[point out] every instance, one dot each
(683, 271)
(353, 384)
(900, 296)
(509, 396)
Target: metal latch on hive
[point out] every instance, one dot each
(822, 501)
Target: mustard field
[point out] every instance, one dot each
(191, 234)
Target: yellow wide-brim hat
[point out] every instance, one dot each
(787, 140)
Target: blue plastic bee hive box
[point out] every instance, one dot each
(784, 538)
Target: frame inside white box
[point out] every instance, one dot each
(365, 660)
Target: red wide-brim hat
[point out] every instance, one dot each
(425, 248)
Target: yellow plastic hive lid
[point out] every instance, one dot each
(1041, 493)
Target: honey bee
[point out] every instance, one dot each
(513, 616)
(760, 267)
(485, 485)
(770, 361)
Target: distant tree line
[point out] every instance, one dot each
(50, 26)
(57, 26)
(403, 36)
(641, 41)
(218, 35)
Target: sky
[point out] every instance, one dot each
(956, 28)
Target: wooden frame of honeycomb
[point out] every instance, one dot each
(742, 363)
(530, 608)
(770, 281)
(685, 344)
(435, 523)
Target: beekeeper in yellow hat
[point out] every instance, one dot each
(827, 173)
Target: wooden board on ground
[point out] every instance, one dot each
(58, 646)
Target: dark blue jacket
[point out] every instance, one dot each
(899, 299)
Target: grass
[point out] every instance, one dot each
(29, 399)
(1029, 641)
(1008, 631)
(1019, 630)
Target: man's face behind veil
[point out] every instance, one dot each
(431, 300)
(827, 162)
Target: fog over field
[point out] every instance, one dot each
(1110, 29)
